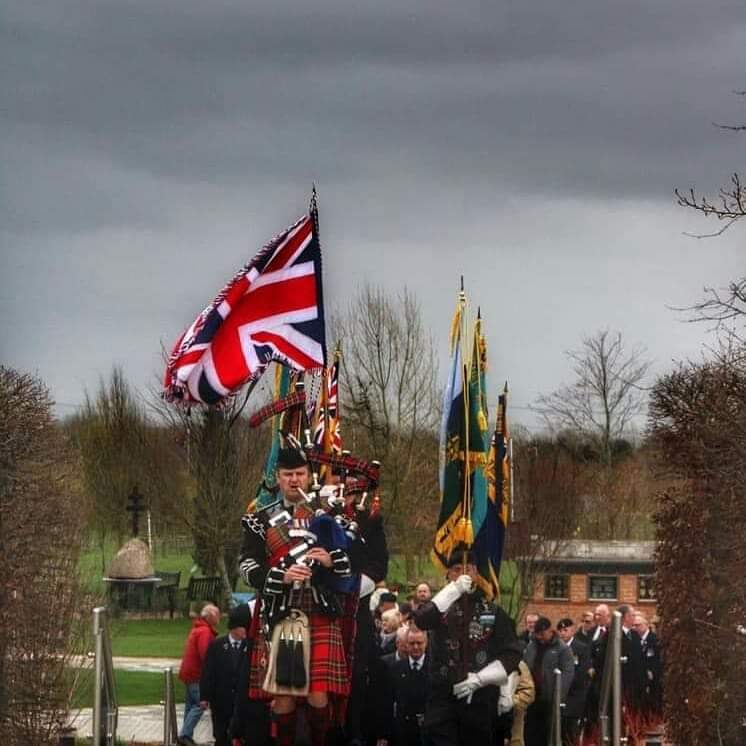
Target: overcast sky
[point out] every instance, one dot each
(150, 147)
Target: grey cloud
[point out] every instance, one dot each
(150, 147)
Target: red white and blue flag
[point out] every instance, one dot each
(328, 435)
(272, 309)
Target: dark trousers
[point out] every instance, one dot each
(538, 724)
(251, 723)
(364, 643)
(410, 731)
(570, 731)
(220, 724)
(451, 722)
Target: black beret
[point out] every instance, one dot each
(565, 623)
(291, 458)
(542, 624)
(239, 616)
(457, 557)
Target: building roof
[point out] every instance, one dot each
(634, 557)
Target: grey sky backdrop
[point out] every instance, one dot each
(150, 147)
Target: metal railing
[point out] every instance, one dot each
(611, 687)
(105, 709)
(170, 730)
(555, 736)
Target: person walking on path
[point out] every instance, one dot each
(218, 683)
(202, 633)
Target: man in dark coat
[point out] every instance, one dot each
(633, 667)
(472, 649)
(218, 684)
(574, 710)
(653, 696)
(587, 628)
(530, 622)
(369, 556)
(545, 653)
(408, 689)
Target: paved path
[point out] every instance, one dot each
(143, 725)
(151, 665)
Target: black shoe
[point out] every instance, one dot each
(186, 741)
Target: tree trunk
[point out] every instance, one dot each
(223, 572)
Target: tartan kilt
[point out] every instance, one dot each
(329, 670)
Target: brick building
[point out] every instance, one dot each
(582, 574)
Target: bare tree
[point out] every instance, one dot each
(606, 395)
(391, 405)
(730, 204)
(725, 306)
(223, 459)
(550, 482)
(41, 597)
(122, 450)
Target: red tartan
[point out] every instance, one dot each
(328, 662)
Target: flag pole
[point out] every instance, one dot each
(466, 494)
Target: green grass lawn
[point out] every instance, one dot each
(149, 638)
(133, 688)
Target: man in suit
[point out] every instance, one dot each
(402, 648)
(633, 668)
(378, 703)
(527, 635)
(409, 685)
(574, 710)
(220, 672)
(587, 628)
(653, 697)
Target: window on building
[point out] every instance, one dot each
(646, 588)
(557, 586)
(602, 587)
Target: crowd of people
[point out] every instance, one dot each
(331, 656)
(398, 681)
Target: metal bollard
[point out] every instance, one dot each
(170, 729)
(557, 706)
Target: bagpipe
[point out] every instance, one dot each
(333, 526)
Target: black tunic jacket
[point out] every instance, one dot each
(471, 634)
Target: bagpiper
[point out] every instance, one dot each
(299, 564)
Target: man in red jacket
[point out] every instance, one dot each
(203, 632)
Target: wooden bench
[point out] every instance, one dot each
(207, 588)
(167, 589)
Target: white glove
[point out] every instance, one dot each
(367, 586)
(507, 690)
(447, 596)
(466, 688)
(493, 674)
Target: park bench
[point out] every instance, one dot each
(207, 588)
(167, 589)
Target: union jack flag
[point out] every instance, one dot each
(328, 435)
(272, 309)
